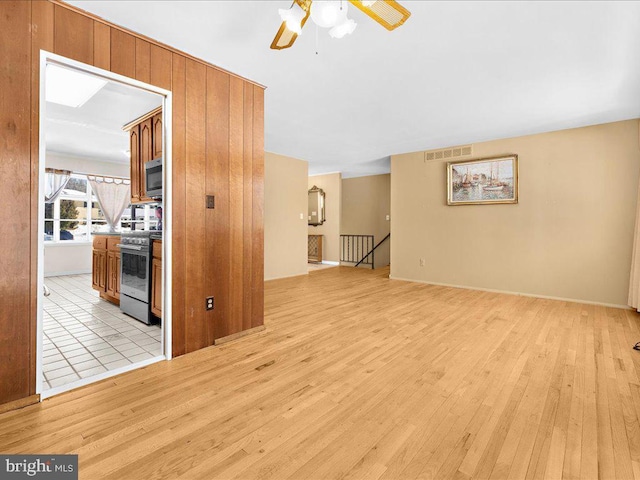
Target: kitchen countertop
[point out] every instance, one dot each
(107, 234)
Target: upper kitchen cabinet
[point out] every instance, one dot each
(157, 135)
(134, 149)
(145, 135)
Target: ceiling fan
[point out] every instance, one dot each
(333, 14)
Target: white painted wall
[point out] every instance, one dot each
(569, 236)
(285, 201)
(331, 183)
(87, 165)
(66, 259)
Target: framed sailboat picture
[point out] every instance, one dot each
(483, 181)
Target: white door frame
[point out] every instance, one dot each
(51, 58)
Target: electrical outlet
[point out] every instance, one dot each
(422, 262)
(209, 304)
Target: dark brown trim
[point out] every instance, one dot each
(20, 403)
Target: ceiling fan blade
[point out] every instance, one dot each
(388, 13)
(285, 37)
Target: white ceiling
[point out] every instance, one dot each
(94, 130)
(454, 73)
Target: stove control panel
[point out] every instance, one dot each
(136, 238)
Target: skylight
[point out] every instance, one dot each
(69, 87)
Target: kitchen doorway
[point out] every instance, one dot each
(104, 250)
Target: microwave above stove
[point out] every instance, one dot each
(153, 178)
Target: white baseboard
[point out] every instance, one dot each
(507, 292)
(62, 274)
(286, 276)
(328, 262)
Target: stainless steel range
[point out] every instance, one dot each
(135, 280)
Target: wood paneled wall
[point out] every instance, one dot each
(218, 149)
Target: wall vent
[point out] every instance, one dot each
(448, 153)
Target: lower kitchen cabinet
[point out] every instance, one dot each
(99, 270)
(105, 275)
(113, 273)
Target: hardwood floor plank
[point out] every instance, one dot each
(361, 377)
(589, 457)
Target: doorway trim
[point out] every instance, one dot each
(52, 58)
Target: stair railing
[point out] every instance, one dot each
(354, 246)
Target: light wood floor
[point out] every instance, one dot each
(358, 376)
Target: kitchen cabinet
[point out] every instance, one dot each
(113, 273)
(146, 155)
(134, 147)
(157, 136)
(156, 279)
(145, 144)
(105, 274)
(99, 269)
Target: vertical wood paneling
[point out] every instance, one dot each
(178, 89)
(247, 202)
(41, 38)
(123, 53)
(236, 199)
(210, 214)
(143, 61)
(217, 149)
(101, 45)
(218, 146)
(15, 183)
(258, 208)
(195, 232)
(160, 67)
(73, 36)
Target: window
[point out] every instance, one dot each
(76, 215)
(67, 218)
(144, 218)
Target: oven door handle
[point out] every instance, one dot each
(129, 247)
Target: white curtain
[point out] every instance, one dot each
(113, 194)
(634, 281)
(54, 183)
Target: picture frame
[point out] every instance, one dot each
(483, 181)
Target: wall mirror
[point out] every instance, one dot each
(316, 206)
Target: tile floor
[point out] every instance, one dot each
(85, 335)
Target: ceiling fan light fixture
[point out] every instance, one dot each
(292, 17)
(329, 13)
(345, 28)
(332, 14)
